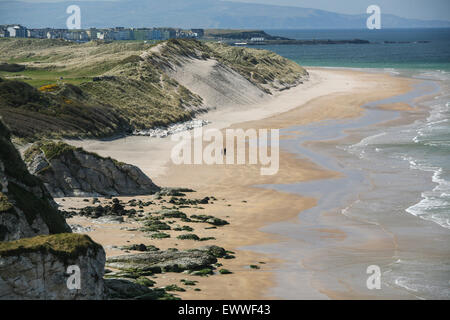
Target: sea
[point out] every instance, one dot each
(396, 174)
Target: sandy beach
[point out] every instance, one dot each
(329, 94)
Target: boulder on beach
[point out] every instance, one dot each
(167, 261)
(68, 171)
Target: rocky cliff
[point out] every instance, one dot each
(38, 268)
(26, 207)
(69, 171)
(36, 246)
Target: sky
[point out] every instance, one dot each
(415, 9)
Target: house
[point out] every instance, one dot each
(4, 32)
(75, 35)
(17, 31)
(156, 34)
(37, 33)
(105, 35)
(120, 33)
(141, 34)
(56, 33)
(167, 34)
(92, 33)
(200, 32)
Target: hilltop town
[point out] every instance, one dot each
(121, 33)
(82, 35)
(229, 36)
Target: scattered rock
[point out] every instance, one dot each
(225, 271)
(203, 272)
(109, 219)
(188, 282)
(215, 251)
(176, 192)
(174, 287)
(209, 219)
(77, 228)
(140, 247)
(167, 261)
(188, 236)
(116, 289)
(159, 235)
(172, 129)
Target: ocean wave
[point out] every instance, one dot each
(434, 205)
(359, 148)
(414, 276)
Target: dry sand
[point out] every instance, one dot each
(331, 94)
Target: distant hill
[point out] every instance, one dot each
(193, 13)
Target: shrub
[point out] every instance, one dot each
(159, 235)
(49, 88)
(174, 287)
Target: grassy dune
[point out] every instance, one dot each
(99, 89)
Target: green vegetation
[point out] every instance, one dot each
(159, 235)
(253, 266)
(97, 89)
(209, 219)
(103, 93)
(225, 271)
(55, 149)
(32, 114)
(184, 228)
(11, 67)
(156, 294)
(173, 214)
(189, 236)
(155, 225)
(203, 272)
(51, 149)
(189, 282)
(207, 238)
(64, 245)
(174, 287)
(5, 205)
(145, 281)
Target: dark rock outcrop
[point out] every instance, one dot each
(68, 171)
(167, 261)
(36, 244)
(120, 288)
(26, 207)
(124, 289)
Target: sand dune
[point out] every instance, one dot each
(217, 84)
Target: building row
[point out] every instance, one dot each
(117, 33)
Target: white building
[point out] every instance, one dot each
(17, 31)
